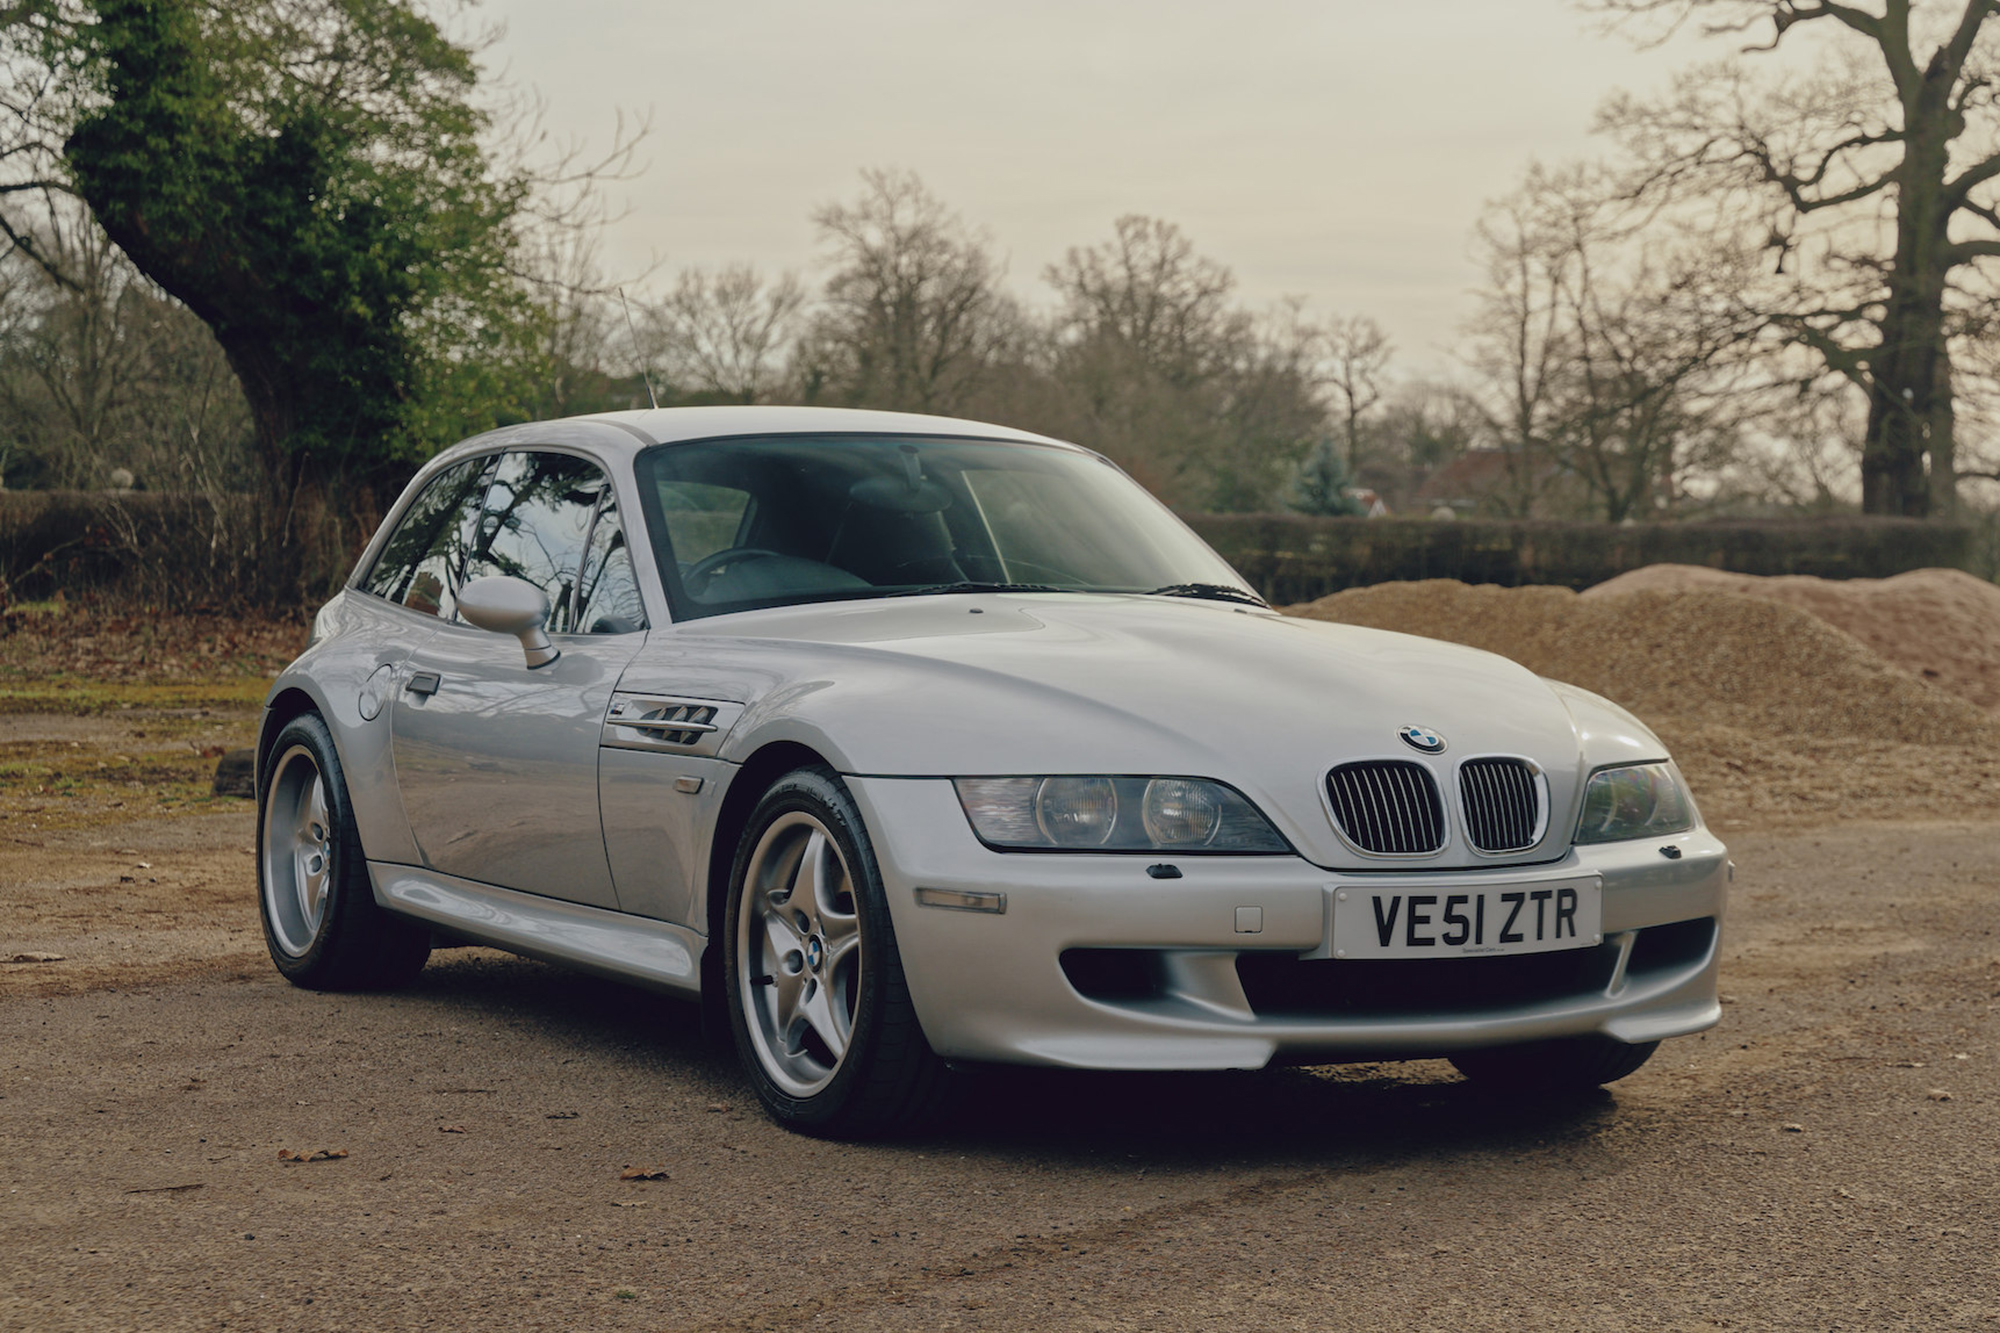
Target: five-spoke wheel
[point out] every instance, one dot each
(817, 1001)
(321, 921)
(799, 954)
(298, 850)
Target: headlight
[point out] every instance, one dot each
(1107, 814)
(1643, 801)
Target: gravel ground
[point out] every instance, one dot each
(1828, 1159)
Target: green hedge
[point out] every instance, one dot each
(1295, 558)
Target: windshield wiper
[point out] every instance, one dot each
(1216, 592)
(972, 585)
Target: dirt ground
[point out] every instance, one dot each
(1829, 1158)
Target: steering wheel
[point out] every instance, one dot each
(702, 572)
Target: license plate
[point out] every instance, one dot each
(1448, 920)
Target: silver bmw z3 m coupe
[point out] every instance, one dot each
(907, 742)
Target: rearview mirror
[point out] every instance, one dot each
(510, 606)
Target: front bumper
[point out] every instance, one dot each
(995, 987)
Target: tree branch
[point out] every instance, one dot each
(1953, 53)
(1956, 189)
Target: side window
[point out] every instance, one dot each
(535, 524)
(423, 563)
(607, 598)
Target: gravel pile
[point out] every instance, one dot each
(1940, 624)
(1777, 716)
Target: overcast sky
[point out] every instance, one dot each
(1338, 150)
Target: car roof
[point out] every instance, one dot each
(629, 432)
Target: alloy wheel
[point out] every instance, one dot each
(799, 953)
(298, 851)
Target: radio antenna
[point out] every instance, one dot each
(632, 329)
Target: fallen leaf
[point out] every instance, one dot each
(642, 1173)
(36, 958)
(1939, 1095)
(322, 1155)
(451, 1129)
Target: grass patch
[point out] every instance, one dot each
(81, 696)
(77, 793)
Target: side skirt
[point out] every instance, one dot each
(637, 949)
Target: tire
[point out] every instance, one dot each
(1567, 1067)
(819, 1010)
(321, 921)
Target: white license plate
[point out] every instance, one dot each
(1450, 920)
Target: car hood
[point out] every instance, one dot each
(987, 684)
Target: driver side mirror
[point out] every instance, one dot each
(510, 606)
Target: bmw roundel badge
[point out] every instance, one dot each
(1422, 738)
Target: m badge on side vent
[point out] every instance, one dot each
(678, 726)
(1422, 739)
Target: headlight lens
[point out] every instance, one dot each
(1076, 812)
(1115, 814)
(1642, 801)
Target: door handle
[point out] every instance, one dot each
(424, 683)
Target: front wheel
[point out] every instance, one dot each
(1565, 1067)
(321, 921)
(818, 1005)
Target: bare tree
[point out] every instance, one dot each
(913, 313)
(1148, 294)
(1872, 176)
(1520, 346)
(1633, 371)
(1357, 354)
(99, 370)
(725, 334)
(1208, 405)
(1424, 425)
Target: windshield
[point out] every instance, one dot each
(746, 523)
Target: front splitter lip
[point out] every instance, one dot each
(1165, 1039)
(990, 986)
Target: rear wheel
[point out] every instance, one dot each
(321, 922)
(1554, 1068)
(818, 1006)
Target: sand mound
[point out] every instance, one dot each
(1940, 624)
(1775, 714)
(1717, 657)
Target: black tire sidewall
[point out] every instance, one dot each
(341, 955)
(821, 794)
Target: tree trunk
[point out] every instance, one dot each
(1944, 443)
(1910, 394)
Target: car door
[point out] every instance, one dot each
(390, 612)
(497, 762)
